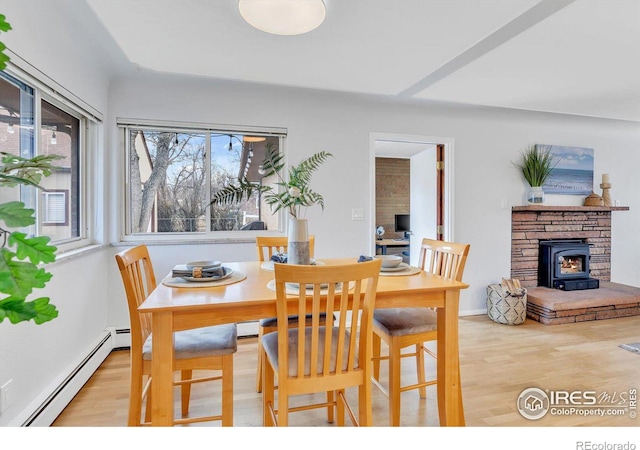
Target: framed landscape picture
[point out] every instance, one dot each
(573, 173)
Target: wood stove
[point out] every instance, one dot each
(564, 264)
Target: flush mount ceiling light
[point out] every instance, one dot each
(285, 17)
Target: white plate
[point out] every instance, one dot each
(228, 273)
(203, 264)
(401, 266)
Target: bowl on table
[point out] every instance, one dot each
(389, 261)
(204, 264)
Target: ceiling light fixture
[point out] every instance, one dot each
(284, 17)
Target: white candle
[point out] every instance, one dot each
(605, 178)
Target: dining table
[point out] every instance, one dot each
(252, 298)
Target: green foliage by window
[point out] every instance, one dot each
(20, 254)
(293, 194)
(4, 26)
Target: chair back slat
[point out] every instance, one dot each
(325, 350)
(267, 246)
(139, 280)
(446, 259)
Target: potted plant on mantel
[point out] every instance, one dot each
(292, 195)
(536, 164)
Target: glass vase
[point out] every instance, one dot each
(535, 196)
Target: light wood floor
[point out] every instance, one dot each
(497, 363)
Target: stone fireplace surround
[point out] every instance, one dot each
(531, 224)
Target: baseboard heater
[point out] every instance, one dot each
(53, 405)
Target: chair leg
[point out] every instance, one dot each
(147, 409)
(330, 409)
(227, 390)
(377, 344)
(185, 391)
(339, 406)
(268, 388)
(259, 374)
(395, 362)
(135, 395)
(420, 369)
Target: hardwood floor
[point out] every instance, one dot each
(497, 363)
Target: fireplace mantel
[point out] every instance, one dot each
(531, 224)
(549, 208)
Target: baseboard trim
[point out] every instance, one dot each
(49, 409)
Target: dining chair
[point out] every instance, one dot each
(400, 328)
(267, 246)
(209, 348)
(317, 358)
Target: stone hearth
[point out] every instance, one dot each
(530, 225)
(554, 307)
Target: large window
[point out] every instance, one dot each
(172, 173)
(34, 121)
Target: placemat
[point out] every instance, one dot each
(293, 291)
(181, 282)
(402, 273)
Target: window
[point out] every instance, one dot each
(173, 171)
(54, 205)
(35, 120)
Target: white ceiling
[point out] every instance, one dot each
(565, 56)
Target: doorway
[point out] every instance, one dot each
(430, 186)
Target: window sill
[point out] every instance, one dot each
(238, 237)
(77, 253)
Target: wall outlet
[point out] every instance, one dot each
(5, 399)
(357, 214)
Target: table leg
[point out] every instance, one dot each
(450, 406)
(162, 370)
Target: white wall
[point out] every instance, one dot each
(37, 358)
(486, 143)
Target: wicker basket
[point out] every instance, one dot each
(505, 307)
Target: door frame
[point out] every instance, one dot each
(446, 179)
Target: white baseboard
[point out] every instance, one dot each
(44, 410)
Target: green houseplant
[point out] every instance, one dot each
(4, 26)
(536, 164)
(291, 194)
(20, 254)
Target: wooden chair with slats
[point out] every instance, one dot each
(208, 348)
(310, 359)
(267, 246)
(403, 327)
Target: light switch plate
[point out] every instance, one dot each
(357, 214)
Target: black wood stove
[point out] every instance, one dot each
(564, 264)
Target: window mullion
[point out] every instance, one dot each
(207, 163)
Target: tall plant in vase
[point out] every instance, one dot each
(536, 164)
(292, 193)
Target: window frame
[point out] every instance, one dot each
(126, 124)
(90, 129)
(45, 195)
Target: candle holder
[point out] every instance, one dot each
(606, 196)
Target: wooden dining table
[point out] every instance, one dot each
(180, 308)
